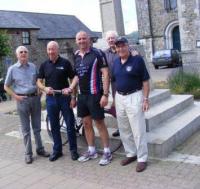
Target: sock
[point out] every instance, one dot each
(91, 149)
(106, 149)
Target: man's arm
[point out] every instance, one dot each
(146, 90)
(40, 85)
(9, 90)
(106, 80)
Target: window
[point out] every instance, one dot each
(170, 5)
(26, 38)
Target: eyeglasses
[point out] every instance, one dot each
(23, 52)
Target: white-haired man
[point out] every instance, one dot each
(20, 83)
(111, 55)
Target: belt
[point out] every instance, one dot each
(129, 92)
(28, 95)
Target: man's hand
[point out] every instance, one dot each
(73, 103)
(48, 90)
(145, 105)
(66, 91)
(19, 98)
(103, 101)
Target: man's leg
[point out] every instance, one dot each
(68, 115)
(53, 113)
(138, 126)
(24, 112)
(103, 132)
(36, 121)
(124, 125)
(36, 125)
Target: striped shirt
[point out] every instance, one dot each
(88, 70)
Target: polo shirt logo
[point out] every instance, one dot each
(60, 68)
(128, 68)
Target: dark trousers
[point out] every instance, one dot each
(55, 104)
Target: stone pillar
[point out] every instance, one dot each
(111, 16)
(145, 26)
(189, 24)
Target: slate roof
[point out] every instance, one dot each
(50, 26)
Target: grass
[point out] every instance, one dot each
(185, 83)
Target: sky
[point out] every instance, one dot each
(87, 11)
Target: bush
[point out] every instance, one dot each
(185, 83)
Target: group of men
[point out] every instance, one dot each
(93, 71)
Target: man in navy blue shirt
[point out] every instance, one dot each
(91, 73)
(131, 100)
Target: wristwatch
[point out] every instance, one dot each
(106, 95)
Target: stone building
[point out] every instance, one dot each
(35, 30)
(166, 24)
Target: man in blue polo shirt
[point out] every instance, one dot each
(131, 100)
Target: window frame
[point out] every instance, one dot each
(26, 37)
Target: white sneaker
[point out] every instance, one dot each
(87, 156)
(106, 159)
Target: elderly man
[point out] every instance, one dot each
(131, 100)
(56, 71)
(111, 55)
(90, 66)
(20, 83)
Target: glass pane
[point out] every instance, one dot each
(173, 4)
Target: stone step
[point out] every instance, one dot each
(158, 95)
(163, 140)
(173, 132)
(166, 109)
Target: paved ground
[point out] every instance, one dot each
(179, 171)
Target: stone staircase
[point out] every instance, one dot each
(170, 121)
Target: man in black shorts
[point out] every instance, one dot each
(91, 73)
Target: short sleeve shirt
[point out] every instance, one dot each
(22, 78)
(88, 70)
(130, 75)
(56, 74)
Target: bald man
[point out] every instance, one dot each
(20, 83)
(90, 66)
(56, 71)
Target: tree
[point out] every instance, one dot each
(5, 48)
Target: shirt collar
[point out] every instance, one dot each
(19, 64)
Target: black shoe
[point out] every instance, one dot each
(55, 156)
(74, 156)
(28, 159)
(116, 133)
(43, 153)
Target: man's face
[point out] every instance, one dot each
(82, 40)
(122, 50)
(52, 51)
(111, 41)
(22, 55)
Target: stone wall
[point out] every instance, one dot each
(152, 22)
(189, 18)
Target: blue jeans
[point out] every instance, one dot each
(55, 104)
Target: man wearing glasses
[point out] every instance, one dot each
(20, 83)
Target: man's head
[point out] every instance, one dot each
(53, 50)
(111, 37)
(122, 47)
(22, 54)
(83, 40)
